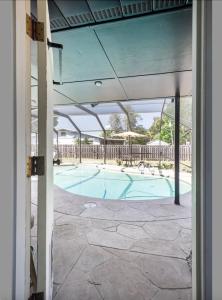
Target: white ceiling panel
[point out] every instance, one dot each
(150, 44)
(85, 92)
(70, 110)
(57, 98)
(83, 57)
(158, 86)
(60, 99)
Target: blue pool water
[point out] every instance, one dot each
(104, 184)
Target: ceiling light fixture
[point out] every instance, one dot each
(98, 83)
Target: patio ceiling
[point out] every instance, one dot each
(67, 14)
(140, 58)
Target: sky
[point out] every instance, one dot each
(90, 125)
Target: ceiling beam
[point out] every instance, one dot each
(57, 113)
(85, 109)
(93, 114)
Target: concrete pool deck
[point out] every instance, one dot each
(119, 250)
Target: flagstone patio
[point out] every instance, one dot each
(119, 250)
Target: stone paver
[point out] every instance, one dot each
(158, 247)
(108, 239)
(78, 286)
(119, 250)
(173, 295)
(132, 231)
(121, 280)
(164, 272)
(185, 223)
(165, 230)
(92, 257)
(65, 255)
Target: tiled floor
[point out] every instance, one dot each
(120, 250)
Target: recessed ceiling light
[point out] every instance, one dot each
(98, 83)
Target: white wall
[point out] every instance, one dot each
(7, 152)
(14, 128)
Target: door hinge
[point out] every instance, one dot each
(35, 166)
(34, 29)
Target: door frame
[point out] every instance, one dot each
(45, 149)
(202, 151)
(15, 204)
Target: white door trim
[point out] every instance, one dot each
(202, 150)
(45, 148)
(15, 127)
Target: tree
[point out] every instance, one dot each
(185, 111)
(115, 122)
(134, 118)
(167, 131)
(85, 141)
(141, 140)
(118, 123)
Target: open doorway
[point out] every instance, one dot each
(120, 217)
(118, 233)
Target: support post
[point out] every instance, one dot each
(131, 150)
(177, 150)
(105, 148)
(80, 148)
(57, 142)
(77, 129)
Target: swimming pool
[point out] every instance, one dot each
(104, 184)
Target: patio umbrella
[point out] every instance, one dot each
(130, 135)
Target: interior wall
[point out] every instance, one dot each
(14, 216)
(23, 150)
(8, 155)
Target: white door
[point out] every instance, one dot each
(45, 149)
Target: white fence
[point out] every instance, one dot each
(114, 152)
